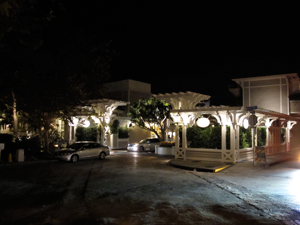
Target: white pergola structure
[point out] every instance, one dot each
(101, 112)
(185, 113)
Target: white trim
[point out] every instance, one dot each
(249, 93)
(288, 97)
(265, 77)
(269, 85)
(280, 95)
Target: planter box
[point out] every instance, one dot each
(165, 150)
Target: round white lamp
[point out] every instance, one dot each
(203, 122)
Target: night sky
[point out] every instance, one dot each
(192, 45)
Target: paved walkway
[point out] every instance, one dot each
(202, 166)
(207, 166)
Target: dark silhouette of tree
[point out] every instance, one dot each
(53, 67)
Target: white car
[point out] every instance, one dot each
(144, 145)
(83, 150)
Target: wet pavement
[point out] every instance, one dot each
(143, 188)
(210, 166)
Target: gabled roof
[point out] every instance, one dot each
(270, 77)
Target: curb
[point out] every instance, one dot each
(2, 164)
(200, 168)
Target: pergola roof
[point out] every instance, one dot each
(271, 113)
(209, 109)
(107, 101)
(182, 100)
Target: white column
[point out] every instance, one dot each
(186, 120)
(74, 132)
(223, 138)
(237, 143)
(253, 143)
(287, 139)
(237, 137)
(232, 142)
(184, 146)
(176, 141)
(70, 133)
(98, 135)
(102, 135)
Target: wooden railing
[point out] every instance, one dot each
(204, 154)
(275, 149)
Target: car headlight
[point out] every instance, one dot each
(65, 153)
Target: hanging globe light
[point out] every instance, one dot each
(203, 122)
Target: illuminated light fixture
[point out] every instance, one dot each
(75, 121)
(107, 119)
(86, 123)
(246, 123)
(176, 118)
(96, 119)
(203, 122)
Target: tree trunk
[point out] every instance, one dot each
(15, 116)
(46, 140)
(46, 133)
(163, 134)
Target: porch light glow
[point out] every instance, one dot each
(107, 119)
(176, 118)
(75, 121)
(96, 119)
(203, 122)
(246, 123)
(86, 123)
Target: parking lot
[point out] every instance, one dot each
(135, 188)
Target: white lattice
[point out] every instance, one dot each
(179, 154)
(227, 157)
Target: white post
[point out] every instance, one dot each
(253, 143)
(237, 141)
(111, 141)
(102, 135)
(184, 146)
(70, 133)
(176, 141)
(232, 142)
(223, 137)
(20, 155)
(186, 120)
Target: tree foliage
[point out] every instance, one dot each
(150, 114)
(48, 64)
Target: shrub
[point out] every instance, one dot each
(114, 127)
(86, 134)
(6, 139)
(31, 146)
(166, 144)
(123, 132)
(261, 136)
(208, 137)
(245, 138)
